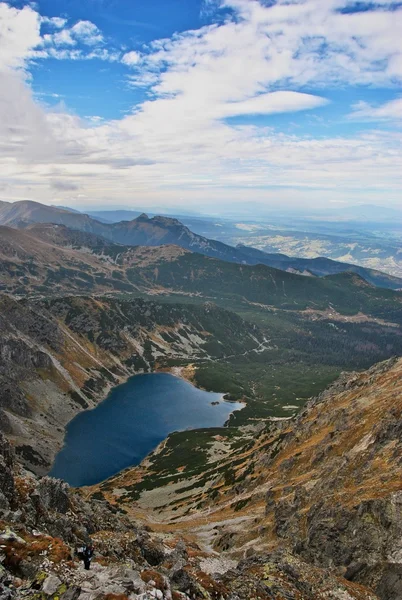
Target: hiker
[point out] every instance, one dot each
(86, 553)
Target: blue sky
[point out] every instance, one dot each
(201, 104)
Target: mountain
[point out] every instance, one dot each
(156, 231)
(52, 260)
(215, 279)
(325, 487)
(23, 213)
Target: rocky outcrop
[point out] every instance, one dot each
(7, 488)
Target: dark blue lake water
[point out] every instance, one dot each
(132, 421)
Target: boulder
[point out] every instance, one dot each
(51, 585)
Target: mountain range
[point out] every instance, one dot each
(156, 231)
(298, 496)
(50, 260)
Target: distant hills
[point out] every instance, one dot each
(320, 267)
(159, 230)
(49, 260)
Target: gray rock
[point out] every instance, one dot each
(6, 469)
(73, 593)
(4, 503)
(51, 585)
(390, 585)
(10, 536)
(54, 494)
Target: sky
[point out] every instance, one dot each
(202, 105)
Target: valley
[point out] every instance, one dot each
(259, 334)
(80, 315)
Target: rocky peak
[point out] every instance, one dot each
(142, 217)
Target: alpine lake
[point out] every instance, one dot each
(131, 422)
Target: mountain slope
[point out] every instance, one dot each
(25, 212)
(43, 522)
(326, 486)
(259, 284)
(156, 231)
(53, 259)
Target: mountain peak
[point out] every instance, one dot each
(166, 221)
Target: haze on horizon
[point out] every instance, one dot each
(207, 106)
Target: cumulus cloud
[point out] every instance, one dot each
(62, 38)
(56, 22)
(19, 35)
(87, 32)
(131, 58)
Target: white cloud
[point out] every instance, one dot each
(131, 58)
(56, 22)
(389, 111)
(177, 144)
(271, 103)
(63, 186)
(62, 38)
(19, 35)
(21, 40)
(83, 32)
(87, 33)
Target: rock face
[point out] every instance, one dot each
(7, 487)
(335, 492)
